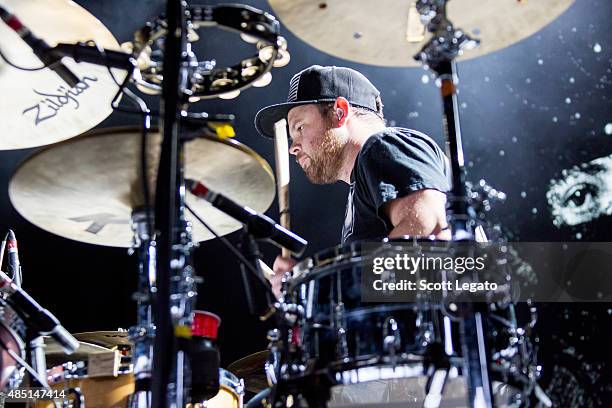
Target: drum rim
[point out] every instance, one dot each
(320, 264)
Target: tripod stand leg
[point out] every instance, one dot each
(436, 383)
(476, 359)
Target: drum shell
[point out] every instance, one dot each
(336, 331)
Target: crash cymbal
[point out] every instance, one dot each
(252, 369)
(389, 32)
(108, 339)
(36, 107)
(84, 188)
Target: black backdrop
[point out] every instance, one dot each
(528, 112)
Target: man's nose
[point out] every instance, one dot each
(295, 148)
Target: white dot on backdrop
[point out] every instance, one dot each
(463, 105)
(487, 79)
(555, 119)
(608, 128)
(577, 115)
(540, 61)
(523, 194)
(572, 80)
(568, 100)
(534, 210)
(597, 47)
(578, 235)
(502, 153)
(425, 79)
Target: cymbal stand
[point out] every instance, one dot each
(439, 54)
(170, 376)
(143, 333)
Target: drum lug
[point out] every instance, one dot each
(340, 326)
(391, 336)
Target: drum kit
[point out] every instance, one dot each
(160, 191)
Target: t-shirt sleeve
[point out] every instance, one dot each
(393, 167)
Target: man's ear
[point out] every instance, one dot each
(341, 110)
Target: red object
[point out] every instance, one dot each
(199, 189)
(205, 324)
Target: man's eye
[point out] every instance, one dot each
(300, 128)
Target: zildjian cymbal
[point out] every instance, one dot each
(389, 32)
(86, 188)
(37, 107)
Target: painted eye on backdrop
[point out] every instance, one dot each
(581, 196)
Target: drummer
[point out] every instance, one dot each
(397, 177)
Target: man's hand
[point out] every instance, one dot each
(281, 266)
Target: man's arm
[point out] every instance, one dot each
(420, 213)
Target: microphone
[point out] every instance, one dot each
(41, 49)
(35, 316)
(14, 266)
(258, 224)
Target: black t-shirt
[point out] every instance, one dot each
(391, 164)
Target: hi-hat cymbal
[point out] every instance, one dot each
(389, 32)
(55, 355)
(37, 108)
(251, 369)
(108, 339)
(84, 188)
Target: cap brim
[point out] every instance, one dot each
(268, 116)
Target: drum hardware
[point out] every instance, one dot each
(438, 54)
(143, 333)
(180, 84)
(383, 343)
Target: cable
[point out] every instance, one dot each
(5, 58)
(235, 251)
(144, 163)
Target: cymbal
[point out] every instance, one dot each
(55, 355)
(85, 188)
(388, 33)
(37, 108)
(108, 339)
(251, 369)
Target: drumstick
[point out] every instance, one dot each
(281, 150)
(281, 156)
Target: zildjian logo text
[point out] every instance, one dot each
(51, 103)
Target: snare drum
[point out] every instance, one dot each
(377, 352)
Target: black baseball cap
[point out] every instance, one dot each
(318, 84)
